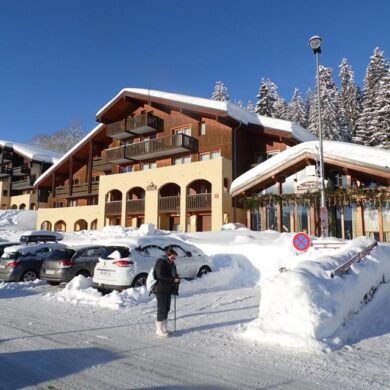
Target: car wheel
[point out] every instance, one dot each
(139, 281)
(84, 273)
(203, 271)
(29, 276)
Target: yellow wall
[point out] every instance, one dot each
(69, 215)
(213, 171)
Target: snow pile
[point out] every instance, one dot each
(234, 226)
(14, 222)
(306, 308)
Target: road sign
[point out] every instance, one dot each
(301, 241)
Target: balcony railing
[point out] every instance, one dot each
(138, 125)
(116, 155)
(78, 190)
(169, 204)
(4, 172)
(21, 171)
(198, 202)
(6, 155)
(99, 164)
(22, 185)
(114, 207)
(135, 206)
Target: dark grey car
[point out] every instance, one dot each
(63, 265)
(22, 263)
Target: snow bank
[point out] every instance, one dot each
(306, 307)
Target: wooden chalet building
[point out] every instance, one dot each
(160, 158)
(283, 192)
(20, 166)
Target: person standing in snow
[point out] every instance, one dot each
(167, 284)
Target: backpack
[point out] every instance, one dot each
(150, 281)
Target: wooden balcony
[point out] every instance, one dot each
(161, 147)
(198, 202)
(135, 126)
(78, 190)
(4, 172)
(113, 208)
(7, 155)
(135, 206)
(22, 185)
(116, 155)
(21, 171)
(99, 164)
(168, 204)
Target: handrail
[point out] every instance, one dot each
(355, 259)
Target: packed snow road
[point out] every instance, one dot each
(48, 344)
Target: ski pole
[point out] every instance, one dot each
(174, 313)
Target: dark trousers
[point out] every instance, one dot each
(163, 305)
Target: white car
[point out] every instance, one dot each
(126, 264)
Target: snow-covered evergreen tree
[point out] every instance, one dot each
(382, 109)
(240, 104)
(312, 112)
(250, 106)
(267, 97)
(367, 129)
(350, 105)
(280, 109)
(297, 110)
(330, 116)
(220, 93)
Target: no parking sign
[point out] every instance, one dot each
(301, 241)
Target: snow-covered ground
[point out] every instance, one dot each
(267, 317)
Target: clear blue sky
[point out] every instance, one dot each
(61, 61)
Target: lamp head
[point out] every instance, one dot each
(315, 43)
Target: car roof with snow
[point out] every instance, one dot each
(40, 235)
(31, 248)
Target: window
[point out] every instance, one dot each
(58, 204)
(150, 165)
(76, 181)
(73, 203)
(210, 155)
(92, 201)
(182, 160)
(183, 130)
(128, 168)
(95, 179)
(203, 128)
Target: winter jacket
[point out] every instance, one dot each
(164, 273)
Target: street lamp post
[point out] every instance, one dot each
(315, 43)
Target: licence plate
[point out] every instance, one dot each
(104, 272)
(2, 266)
(49, 272)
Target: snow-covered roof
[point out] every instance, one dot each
(363, 156)
(32, 152)
(231, 110)
(68, 153)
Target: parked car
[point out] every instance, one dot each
(4, 244)
(66, 263)
(127, 264)
(23, 262)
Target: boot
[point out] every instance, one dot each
(160, 331)
(165, 327)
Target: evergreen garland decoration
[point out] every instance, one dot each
(342, 197)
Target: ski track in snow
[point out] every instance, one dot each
(47, 344)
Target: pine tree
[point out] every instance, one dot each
(330, 119)
(312, 112)
(240, 104)
(367, 129)
(267, 97)
(350, 105)
(382, 109)
(250, 107)
(297, 110)
(220, 92)
(280, 109)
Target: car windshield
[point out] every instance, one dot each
(61, 254)
(115, 253)
(10, 255)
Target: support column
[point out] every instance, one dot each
(183, 209)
